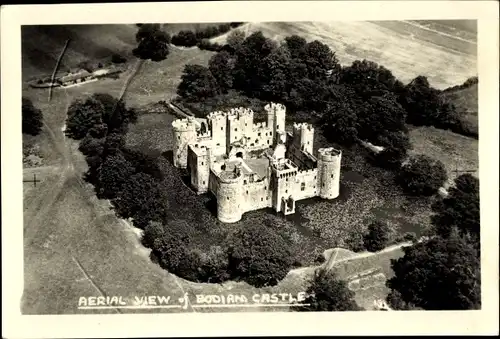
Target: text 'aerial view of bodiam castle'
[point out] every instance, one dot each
(249, 166)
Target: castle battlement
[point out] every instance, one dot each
(302, 126)
(184, 124)
(329, 154)
(217, 116)
(308, 171)
(274, 107)
(249, 166)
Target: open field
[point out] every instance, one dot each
(406, 48)
(466, 103)
(456, 151)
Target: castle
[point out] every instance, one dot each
(249, 166)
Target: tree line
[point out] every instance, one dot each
(363, 101)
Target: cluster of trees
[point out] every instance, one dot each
(443, 273)
(422, 175)
(32, 118)
(256, 254)
(467, 83)
(188, 38)
(360, 102)
(328, 293)
(130, 179)
(153, 42)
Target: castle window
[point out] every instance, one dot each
(247, 192)
(277, 126)
(314, 177)
(268, 142)
(236, 130)
(227, 198)
(246, 124)
(203, 182)
(332, 175)
(218, 144)
(265, 187)
(261, 199)
(179, 137)
(235, 137)
(270, 133)
(222, 128)
(323, 184)
(244, 183)
(258, 134)
(286, 191)
(303, 186)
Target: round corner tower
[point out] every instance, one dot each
(184, 134)
(229, 195)
(329, 172)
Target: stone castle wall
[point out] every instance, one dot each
(294, 173)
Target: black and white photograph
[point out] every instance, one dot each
(249, 166)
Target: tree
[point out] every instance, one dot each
(82, 116)
(377, 237)
(170, 244)
(421, 101)
(259, 255)
(396, 146)
(439, 274)
(32, 117)
(153, 43)
(396, 302)
(142, 199)
(91, 146)
(341, 122)
(221, 67)
(115, 115)
(214, 265)
(384, 115)
(197, 83)
(327, 293)
(113, 144)
(274, 74)
(368, 78)
(248, 62)
(113, 173)
(459, 209)
(296, 45)
(185, 38)
(235, 39)
(422, 175)
(321, 61)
